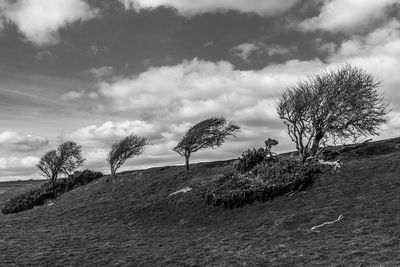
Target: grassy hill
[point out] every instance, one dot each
(132, 221)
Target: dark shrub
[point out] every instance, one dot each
(80, 178)
(267, 180)
(39, 196)
(251, 157)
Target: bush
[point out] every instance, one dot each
(80, 178)
(267, 180)
(251, 157)
(39, 196)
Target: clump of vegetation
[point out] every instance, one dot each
(251, 157)
(39, 196)
(268, 180)
(209, 133)
(260, 175)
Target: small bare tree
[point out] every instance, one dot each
(124, 149)
(332, 106)
(67, 158)
(209, 133)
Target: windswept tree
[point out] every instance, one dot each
(209, 133)
(333, 106)
(64, 160)
(124, 149)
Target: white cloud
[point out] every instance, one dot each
(195, 89)
(348, 16)
(101, 71)
(16, 162)
(190, 8)
(379, 53)
(13, 141)
(245, 50)
(71, 95)
(278, 50)
(109, 132)
(40, 20)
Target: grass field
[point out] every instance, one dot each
(131, 221)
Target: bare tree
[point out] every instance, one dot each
(209, 133)
(333, 106)
(124, 149)
(67, 158)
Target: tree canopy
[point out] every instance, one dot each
(67, 158)
(209, 133)
(124, 149)
(332, 106)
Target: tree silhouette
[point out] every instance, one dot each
(124, 149)
(67, 158)
(209, 133)
(332, 106)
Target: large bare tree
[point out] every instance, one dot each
(124, 149)
(67, 158)
(209, 133)
(333, 106)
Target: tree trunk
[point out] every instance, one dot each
(53, 185)
(187, 162)
(187, 155)
(315, 145)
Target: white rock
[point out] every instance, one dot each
(183, 190)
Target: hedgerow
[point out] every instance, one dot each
(39, 196)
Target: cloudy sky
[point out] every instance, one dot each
(93, 71)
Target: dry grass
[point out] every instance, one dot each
(131, 221)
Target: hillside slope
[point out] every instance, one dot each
(131, 220)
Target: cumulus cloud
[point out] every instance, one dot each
(379, 53)
(101, 71)
(245, 50)
(107, 133)
(13, 141)
(190, 8)
(348, 16)
(16, 162)
(40, 20)
(71, 95)
(197, 88)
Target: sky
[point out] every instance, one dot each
(95, 71)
